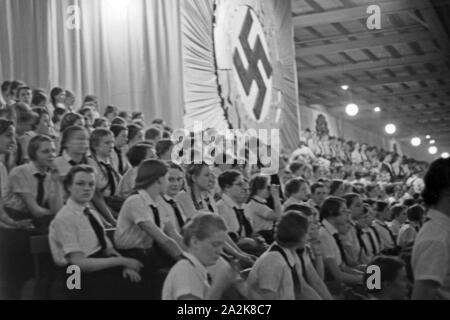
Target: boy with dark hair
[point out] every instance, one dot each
(318, 195)
(164, 149)
(153, 134)
(24, 94)
(13, 90)
(39, 99)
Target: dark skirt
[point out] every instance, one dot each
(108, 284)
(16, 263)
(157, 264)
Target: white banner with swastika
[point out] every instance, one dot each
(246, 50)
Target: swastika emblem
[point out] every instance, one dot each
(255, 55)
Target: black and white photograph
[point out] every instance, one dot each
(240, 151)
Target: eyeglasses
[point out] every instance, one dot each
(240, 184)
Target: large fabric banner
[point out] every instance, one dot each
(239, 65)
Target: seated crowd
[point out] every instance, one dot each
(108, 198)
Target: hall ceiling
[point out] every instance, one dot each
(403, 68)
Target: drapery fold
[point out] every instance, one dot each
(201, 92)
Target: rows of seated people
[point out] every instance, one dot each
(106, 194)
(349, 159)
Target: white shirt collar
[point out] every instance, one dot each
(168, 198)
(329, 227)
(104, 161)
(380, 222)
(99, 160)
(439, 217)
(76, 207)
(292, 200)
(146, 197)
(230, 202)
(290, 255)
(33, 169)
(66, 156)
(197, 264)
(395, 223)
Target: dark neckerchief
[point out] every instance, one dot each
(119, 157)
(391, 235)
(244, 224)
(338, 243)
(295, 276)
(208, 276)
(40, 188)
(156, 216)
(176, 210)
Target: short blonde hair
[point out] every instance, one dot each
(201, 227)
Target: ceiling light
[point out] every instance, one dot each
(352, 109)
(432, 141)
(345, 87)
(445, 155)
(432, 150)
(377, 109)
(390, 128)
(416, 141)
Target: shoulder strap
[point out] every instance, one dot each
(295, 277)
(359, 234)
(377, 235)
(300, 254)
(277, 248)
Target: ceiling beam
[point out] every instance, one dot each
(429, 128)
(405, 121)
(396, 115)
(368, 119)
(432, 130)
(442, 137)
(362, 43)
(439, 135)
(387, 114)
(376, 82)
(380, 96)
(368, 65)
(437, 29)
(405, 29)
(406, 98)
(364, 108)
(351, 14)
(424, 122)
(441, 141)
